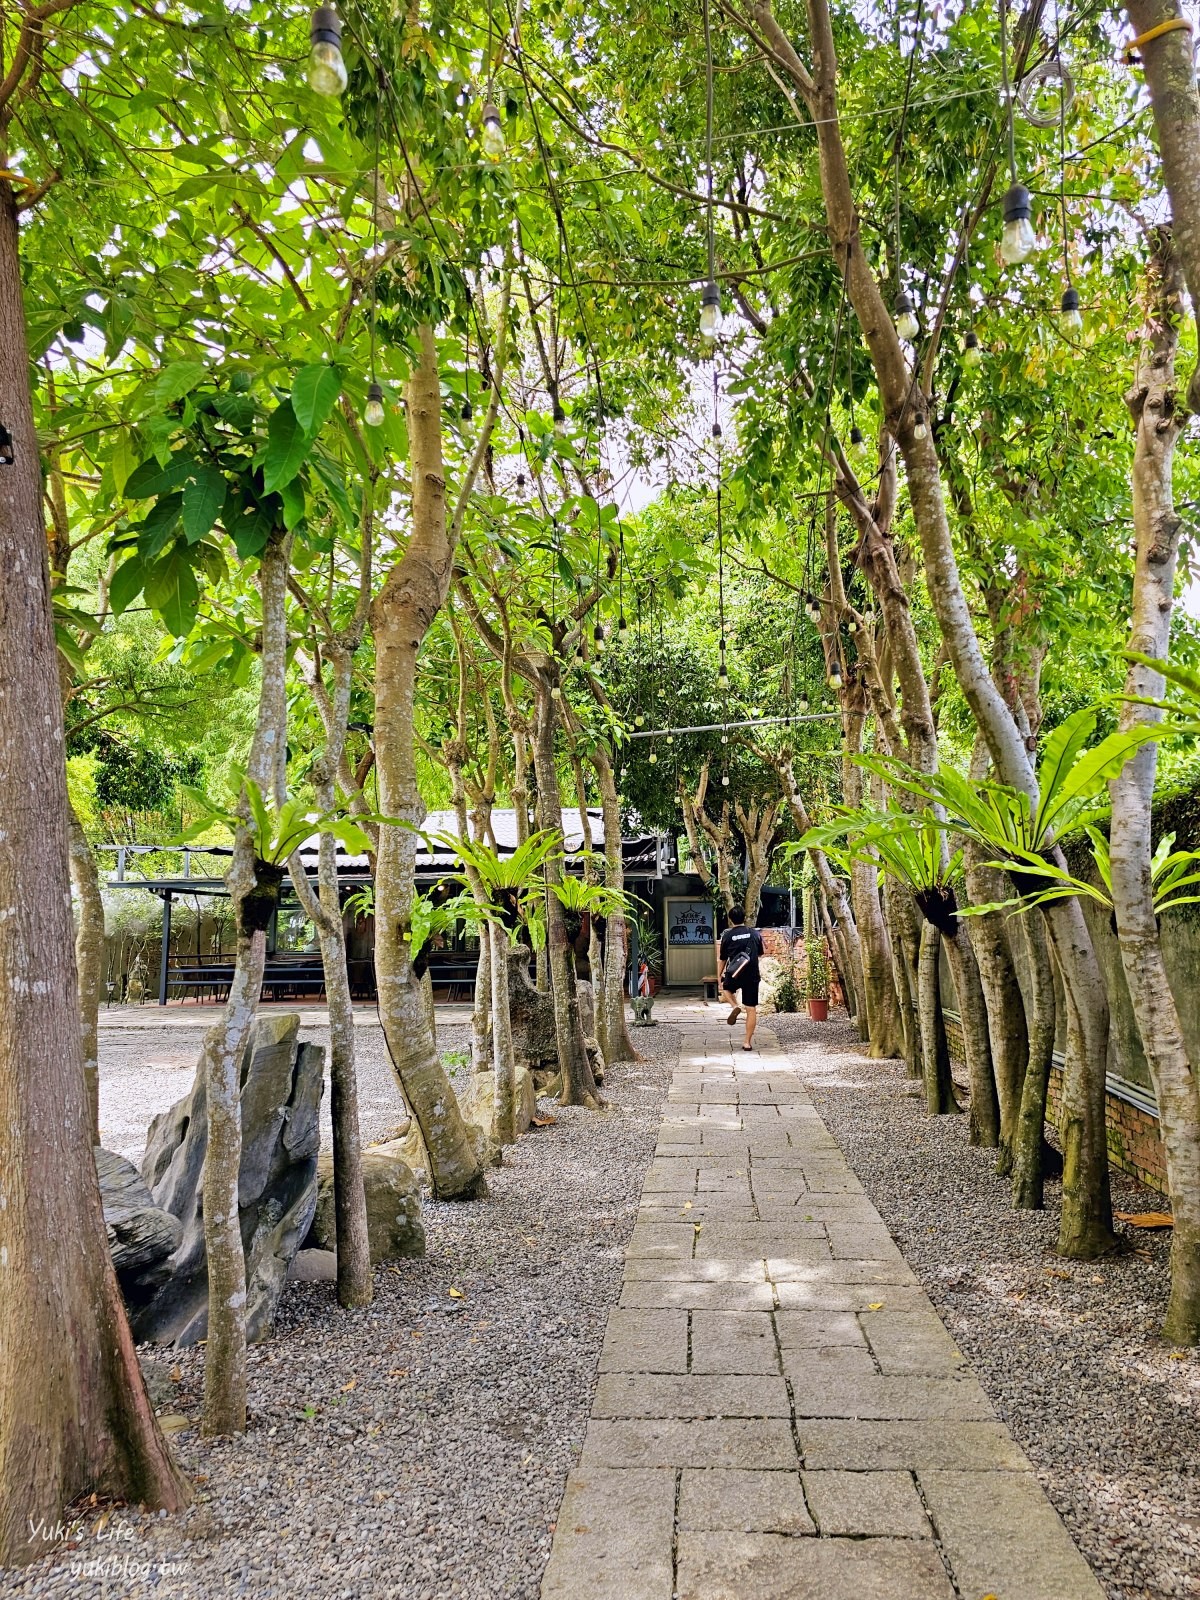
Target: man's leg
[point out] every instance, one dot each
(751, 1023)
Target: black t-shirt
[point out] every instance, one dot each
(741, 941)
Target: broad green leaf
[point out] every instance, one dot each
(178, 379)
(287, 447)
(172, 590)
(203, 497)
(314, 394)
(126, 585)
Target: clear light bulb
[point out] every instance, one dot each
(326, 68)
(653, 758)
(492, 137)
(1071, 316)
(724, 783)
(1018, 240)
(907, 325)
(803, 704)
(920, 430)
(858, 443)
(710, 311)
(972, 350)
(622, 630)
(555, 692)
(835, 679)
(373, 410)
(639, 722)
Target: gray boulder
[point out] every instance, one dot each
(394, 1225)
(282, 1082)
(141, 1235)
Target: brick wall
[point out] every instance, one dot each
(1134, 1145)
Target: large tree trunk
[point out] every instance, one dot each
(618, 1044)
(89, 959)
(1168, 63)
(935, 1052)
(879, 989)
(578, 1083)
(1029, 1138)
(74, 1415)
(984, 1125)
(401, 615)
(254, 894)
(904, 931)
(1156, 528)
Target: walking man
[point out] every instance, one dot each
(737, 970)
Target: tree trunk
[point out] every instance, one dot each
(904, 927)
(1029, 1139)
(504, 1123)
(1157, 529)
(984, 1123)
(879, 989)
(74, 1414)
(89, 960)
(253, 893)
(1008, 1030)
(482, 1009)
(935, 1052)
(618, 1045)
(578, 1084)
(401, 615)
(1169, 67)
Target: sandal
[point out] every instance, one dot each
(749, 1047)
(733, 1015)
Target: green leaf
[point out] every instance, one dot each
(126, 585)
(122, 462)
(314, 394)
(287, 447)
(178, 379)
(203, 497)
(172, 590)
(155, 532)
(151, 478)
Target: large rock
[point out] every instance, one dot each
(394, 1225)
(535, 1044)
(478, 1100)
(141, 1235)
(282, 1082)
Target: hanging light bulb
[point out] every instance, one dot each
(467, 411)
(835, 679)
(598, 636)
(639, 722)
(622, 629)
(852, 626)
(920, 429)
(1018, 239)
(803, 704)
(905, 317)
(326, 68)
(653, 758)
(972, 350)
(555, 692)
(373, 410)
(492, 137)
(724, 738)
(858, 441)
(725, 781)
(1072, 317)
(722, 678)
(710, 311)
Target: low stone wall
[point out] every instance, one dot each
(1134, 1143)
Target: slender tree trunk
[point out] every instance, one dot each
(904, 930)
(74, 1414)
(984, 1126)
(1168, 63)
(1029, 1139)
(254, 893)
(482, 1009)
(504, 1124)
(879, 990)
(401, 615)
(1008, 1031)
(618, 1044)
(1157, 527)
(578, 1083)
(935, 1052)
(89, 959)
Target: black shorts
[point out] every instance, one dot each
(747, 989)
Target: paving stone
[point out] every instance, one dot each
(690, 1395)
(743, 1502)
(765, 1443)
(613, 1537)
(1002, 1536)
(856, 1241)
(799, 1330)
(725, 1241)
(867, 1504)
(829, 1364)
(700, 1296)
(794, 1268)
(874, 1446)
(893, 1399)
(771, 1566)
(714, 1269)
(733, 1341)
(910, 1341)
(645, 1341)
(816, 1294)
(662, 1240)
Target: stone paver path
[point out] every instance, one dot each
(780, 1414)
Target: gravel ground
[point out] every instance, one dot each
(1067, 1351)
(417, 1449)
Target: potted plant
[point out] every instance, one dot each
(818, 980)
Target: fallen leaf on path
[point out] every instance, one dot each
(398, 1372)
(543, 1122)
(1146, 1219)
(456, 1294)
(1057, 1272)
(876, 1305)
(349, 1388)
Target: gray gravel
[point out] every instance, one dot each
(1067, 1351)
(417, 1449)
